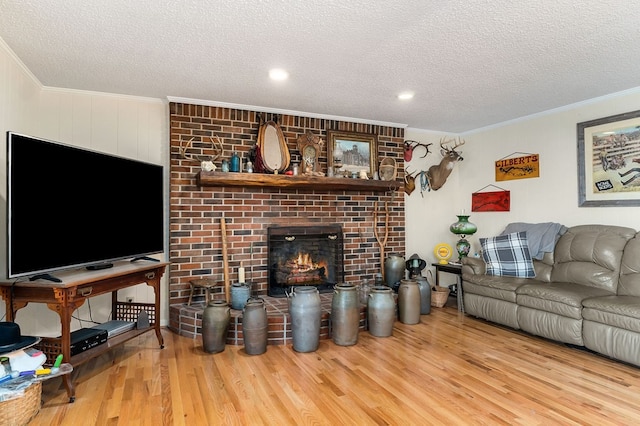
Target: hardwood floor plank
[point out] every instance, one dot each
(449, 369)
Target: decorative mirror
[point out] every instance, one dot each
(309, 147)
(273, 147)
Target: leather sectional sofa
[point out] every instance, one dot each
(586, 292)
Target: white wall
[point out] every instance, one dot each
(127, 126)
(553, 197)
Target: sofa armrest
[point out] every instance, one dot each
(473, 266)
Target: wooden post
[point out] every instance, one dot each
(225, 259)
(381, 242)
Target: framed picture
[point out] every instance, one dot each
(352, 152)
(609, 161)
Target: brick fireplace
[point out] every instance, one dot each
(304, 256)
(196, 212)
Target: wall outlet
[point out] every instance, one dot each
(129, 299)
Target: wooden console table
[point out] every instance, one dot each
(76, 287)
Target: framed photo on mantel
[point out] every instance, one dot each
(352, 151)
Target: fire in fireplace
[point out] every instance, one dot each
(304, 255)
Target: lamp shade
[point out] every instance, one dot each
(463, 226)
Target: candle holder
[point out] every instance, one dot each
(463, 228)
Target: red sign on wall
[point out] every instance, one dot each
(497, 201)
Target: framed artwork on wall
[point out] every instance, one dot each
(353, 151)
(609, 161)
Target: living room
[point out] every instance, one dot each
(139, 127)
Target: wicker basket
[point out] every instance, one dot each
(19, 411)
(388, 170)
(439, 296)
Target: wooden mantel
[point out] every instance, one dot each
(294, 182)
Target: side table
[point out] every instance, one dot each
(456, 270)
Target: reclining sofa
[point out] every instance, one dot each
(585, 292)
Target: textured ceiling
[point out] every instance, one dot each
(471, 63)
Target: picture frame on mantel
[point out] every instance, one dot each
(609, 161)
(353, 151)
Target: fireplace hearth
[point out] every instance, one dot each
(304, 256)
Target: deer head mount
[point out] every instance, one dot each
(437, 174)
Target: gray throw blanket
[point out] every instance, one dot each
(542, 237)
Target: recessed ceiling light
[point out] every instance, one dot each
(278, 74)
(405, 96)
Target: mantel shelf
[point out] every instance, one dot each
(294, 182)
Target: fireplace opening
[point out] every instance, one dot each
(304, 255)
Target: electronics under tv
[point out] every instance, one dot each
(115, 327)
(71, 207)
(86, 338)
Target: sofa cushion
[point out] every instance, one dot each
(612, 341)
(559, 298)
(508, 255)
(550, 325)
(591, 255)
(618, 311)
(495, 310)
(503, 288)
(629, 284)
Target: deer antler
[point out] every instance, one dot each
(215, 142)
(219, 144)
(411, 144)
(458, 143)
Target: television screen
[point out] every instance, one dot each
(70, 207)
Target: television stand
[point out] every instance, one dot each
(74, 289)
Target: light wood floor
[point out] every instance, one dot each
(449, 369)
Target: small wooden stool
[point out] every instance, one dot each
(205, 283)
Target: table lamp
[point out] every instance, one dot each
(463, 228)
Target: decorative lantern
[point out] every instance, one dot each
(415, 265)
(463, 228)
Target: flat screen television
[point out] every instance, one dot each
(70, 207)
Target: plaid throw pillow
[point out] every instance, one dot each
(508, 255)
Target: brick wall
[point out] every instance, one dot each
(195, 237)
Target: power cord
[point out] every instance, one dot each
(90, 320)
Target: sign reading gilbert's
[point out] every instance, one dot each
(524, 167)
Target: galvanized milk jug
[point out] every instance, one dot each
(409, 302)
(215, 322)
(345, 315)
(425, 295)
(394, 266)
(240, 293)
(255, 326)
(305, 310)
(381, 311)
